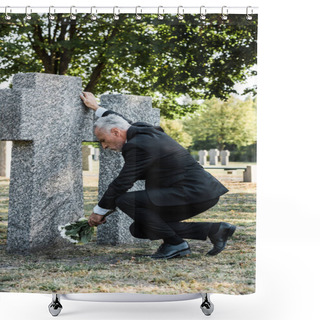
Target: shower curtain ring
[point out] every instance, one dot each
(93, 15)
(73, 16)
(51, 16)
(116, 15)
(180, 15)
(160, 16)
(7, 17)
(224, 13)
(28, 12)
(138, 17)
(203, 14)
(249, 15)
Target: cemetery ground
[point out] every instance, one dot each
(123, 268)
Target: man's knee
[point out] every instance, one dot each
(137, 231)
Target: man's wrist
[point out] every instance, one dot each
(100, 111)
(99, 210)
(95, 107)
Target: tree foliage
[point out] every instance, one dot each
(222, 123)
(162, 59)
(175, 129)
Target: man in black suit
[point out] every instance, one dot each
(177, 187)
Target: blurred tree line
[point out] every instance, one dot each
(219, 125)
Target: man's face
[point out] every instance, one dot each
(113, 140)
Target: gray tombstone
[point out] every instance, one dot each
(135, 108)
(250, 174)
(46, 120)
(5, 158)
(213, 154)
(203, 157)
(87, 152)
(96, 154)
(225, 157)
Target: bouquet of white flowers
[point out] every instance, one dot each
(79, 231)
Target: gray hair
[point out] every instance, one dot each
(111, 121)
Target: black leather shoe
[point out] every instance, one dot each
(168, 251)
(219, 239)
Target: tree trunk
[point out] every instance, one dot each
(95, 76)
(96, 73)
(66, 55)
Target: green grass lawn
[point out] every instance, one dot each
(94, 268)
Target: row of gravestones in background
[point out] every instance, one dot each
(90, 153)
(214, 154)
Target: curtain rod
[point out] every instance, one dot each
(180, 10)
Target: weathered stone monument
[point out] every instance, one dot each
(5, 158)
(213, 154)
(96, 154)
(203, 157)
(250, 174)
(225, 157)
(46, 120)
(134, 108)
(87, 152)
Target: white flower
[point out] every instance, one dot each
(63, 233)
(76, 232)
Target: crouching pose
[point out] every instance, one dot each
(177, 187)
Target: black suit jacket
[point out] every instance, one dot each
(172, 176)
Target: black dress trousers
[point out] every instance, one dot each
(161, 222)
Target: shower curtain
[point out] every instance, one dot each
(186, 85)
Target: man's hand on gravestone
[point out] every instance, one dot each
(96, 219)
(89, 100)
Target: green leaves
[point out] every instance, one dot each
(79, 231)
(167, 59)
(223, 123)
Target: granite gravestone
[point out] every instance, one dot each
(5, 158)
(96, 153)
(134, 108)
(225, 157)
(203, 157)
(87, 152)
(250, 174)
(46, 120)
(213, 154)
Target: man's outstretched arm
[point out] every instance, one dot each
(90, 101)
